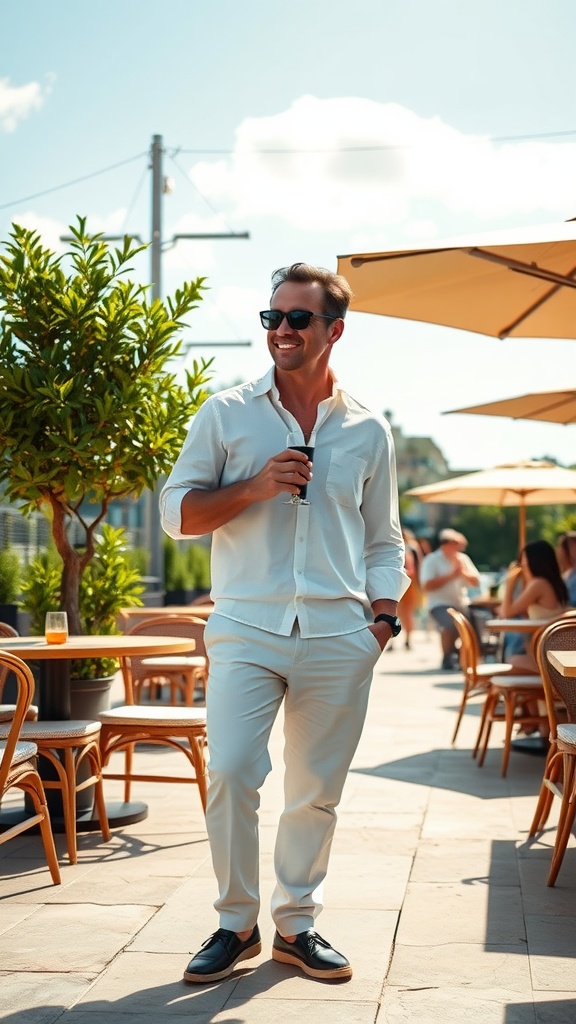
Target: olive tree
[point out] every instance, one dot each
(90, 408)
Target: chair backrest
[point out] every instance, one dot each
(558, 636)
(201, 599)
(6, 631)
(470, 649)
(25, 681)
(191, 626)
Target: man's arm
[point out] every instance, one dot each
(203, 511)
(439, 581)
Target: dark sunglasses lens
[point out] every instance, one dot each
(299, 319)
(271, 319)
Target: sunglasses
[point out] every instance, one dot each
(298, 319)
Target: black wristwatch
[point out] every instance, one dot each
(392, 620)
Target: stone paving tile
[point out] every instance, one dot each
(39, 997)
(554, 1008)
(471, 861)
(62, 938)
(552, 949)
(463, 965)
(446, 1005)
(434, 914)
(151, 985)
(263, 1011)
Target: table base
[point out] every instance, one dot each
(119, 814)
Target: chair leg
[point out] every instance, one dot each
(566, 819)
(509, 708)
(69, 804)
(33, 787)
(552, 773)
(128, 762)
(99, 802)
(199, 762)
(486, 726)
(460, 713)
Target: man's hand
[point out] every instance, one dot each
(205, 511)
(284, 473)
(382, 631)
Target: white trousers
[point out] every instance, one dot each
(325, 684)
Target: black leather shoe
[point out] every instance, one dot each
(312, 954)
(220, 953)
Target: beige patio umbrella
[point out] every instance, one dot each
(518, 284)
(514, 484)
(546, 406)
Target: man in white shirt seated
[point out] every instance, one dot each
(445, 576)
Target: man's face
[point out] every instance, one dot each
(305, 349)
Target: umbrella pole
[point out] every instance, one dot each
(522, 526)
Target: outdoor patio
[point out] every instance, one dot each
(435, 892)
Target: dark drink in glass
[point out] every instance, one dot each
(309, 452)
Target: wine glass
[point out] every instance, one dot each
(299, 499)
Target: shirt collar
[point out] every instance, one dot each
(266, 384)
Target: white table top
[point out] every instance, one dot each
(563, 661)
(517, 625)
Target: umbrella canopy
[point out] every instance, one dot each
(546, 406)
(504, 288)
(519, 484)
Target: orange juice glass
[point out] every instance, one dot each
(56, 628)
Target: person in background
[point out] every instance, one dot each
(305, 600)
(445, 576)
(412, 598)
(566, 554)
(543, 595)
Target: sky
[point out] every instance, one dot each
(320, 128)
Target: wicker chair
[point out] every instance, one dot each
(182, 674)
(511, 700)
(478, 674)
(182, 728)
(560, 769)
(18, 766)
(7, 710)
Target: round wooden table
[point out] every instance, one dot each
(132, 615)
(54, 699)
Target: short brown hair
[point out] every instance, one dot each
(337, 291)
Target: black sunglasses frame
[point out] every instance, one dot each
(298, 319)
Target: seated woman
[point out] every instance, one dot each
(543, 595)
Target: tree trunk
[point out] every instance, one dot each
(72, 567)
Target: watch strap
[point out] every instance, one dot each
(392, 620)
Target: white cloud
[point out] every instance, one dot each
(352, 163)
(18, 101)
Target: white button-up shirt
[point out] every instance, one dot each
(323, 563)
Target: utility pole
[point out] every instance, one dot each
(153, 530)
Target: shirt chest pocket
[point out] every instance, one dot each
(345, 480)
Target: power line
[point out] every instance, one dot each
(281, 151)
(74, 181)
(272, 152)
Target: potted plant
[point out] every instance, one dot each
(109, 584)
(186, 571)
(10, 574)
(91, 410)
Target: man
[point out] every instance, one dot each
(445, 576)
(305, 599)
